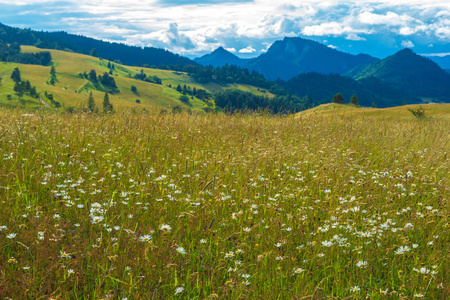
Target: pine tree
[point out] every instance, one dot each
(93, 76)
(15, 75)
(91, 103)
(53, 71)
(33, 92)
(338, 98)
(18, 88)
(354, 100)
(94, 52)
(107, 106)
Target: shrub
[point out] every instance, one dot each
(417, 112)
(184, 98)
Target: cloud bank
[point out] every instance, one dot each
(194, 28)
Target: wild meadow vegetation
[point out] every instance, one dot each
(177, 206)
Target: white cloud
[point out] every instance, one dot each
(443, 33)
(354, 37)
(407, 44)
(406, 31)
(116, 30)
(390, 18)
(436, 54)
(191, 27)
(232, 50)
(249, 49)
(331, 28)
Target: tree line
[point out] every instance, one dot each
(101, 82)
(144, 77)
(236, 100)
(13, 53)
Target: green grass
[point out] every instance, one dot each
(71, 90)
(310, 206)
(434, 111)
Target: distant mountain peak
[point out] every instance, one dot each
(220, 57)
(295, 55)
(410, 72)
(406, 51)
(221, 49)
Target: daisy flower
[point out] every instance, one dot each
(181, 250)
(145, 238)
(165, 228)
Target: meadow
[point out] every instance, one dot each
(71, 90)
(319, 205)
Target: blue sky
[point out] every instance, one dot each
(247, 28)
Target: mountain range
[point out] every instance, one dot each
(403, 78)
(290, 57)
(442, 61)
(308, 68)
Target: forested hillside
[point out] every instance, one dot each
(129, 55)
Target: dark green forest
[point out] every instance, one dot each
(13, 53)
(236, 100)
(129, 55)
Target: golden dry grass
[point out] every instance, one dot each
(177, 206)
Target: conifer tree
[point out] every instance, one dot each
(107, 106)
(354, 100)
(53, 71)
(93, 76)
(16, 75)
(338, 98)
(91, 103)
(18, 88)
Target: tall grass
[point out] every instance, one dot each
(149, 206)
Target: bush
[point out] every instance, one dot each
(417, 112)
(184, 98)
(338, 98)
(133, 89)
(138, 101)
(177, 109)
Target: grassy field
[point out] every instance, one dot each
(333, 203)
(71, 90)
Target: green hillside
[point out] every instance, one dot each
(71, 89)
(398, 113)
(412, 74)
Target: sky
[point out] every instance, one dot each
(245, 27)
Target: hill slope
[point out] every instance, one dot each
(320, 88)
(71, 89)
(442, 61)
(114, 51)
(433, 111)
(411, 73)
